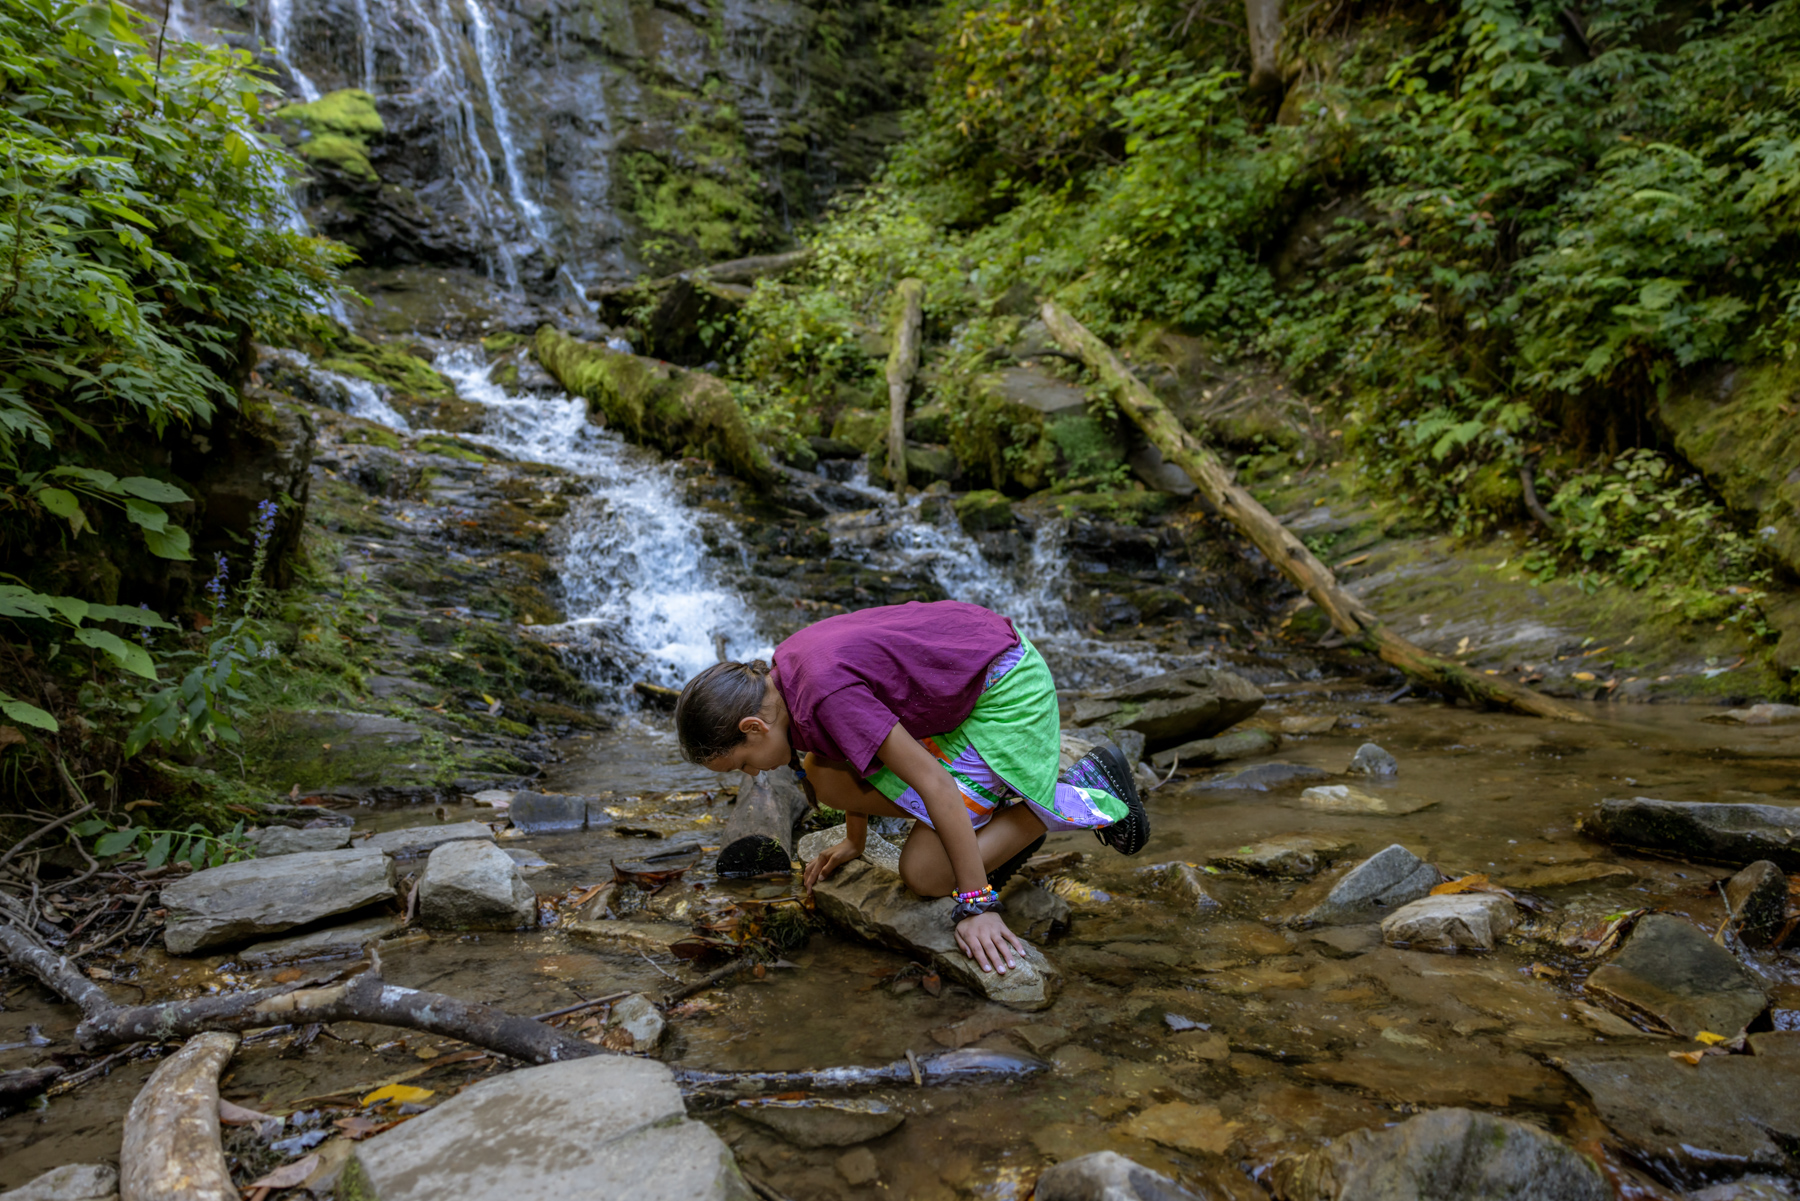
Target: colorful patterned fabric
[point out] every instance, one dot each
(1008, 751)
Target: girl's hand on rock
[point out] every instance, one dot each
(986, 939)
(823, 865)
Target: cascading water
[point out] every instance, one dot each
(637, 581)
(488, 56)
(279, 17)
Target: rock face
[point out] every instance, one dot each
(259, 897)
(414, 841)
(1204, 752)
(872, 902)
(1673, 978)
(281, 840)
(1262, 777)
(1290, 855)
(1728, 833)
(1467, 921)
(1445, 1155)
(1387, 879)
(1107, 1176)
(1758, 896)
(72, 1182)
(1371, 760)
(823, 1121)
(1173, 708)
(339, 942)
(1346, 798)
(474, 886)
(609, 1127)
(1737, 1110)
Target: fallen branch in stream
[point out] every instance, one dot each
(964, 1066)
(1349, 616)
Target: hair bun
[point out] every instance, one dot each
(758, 666)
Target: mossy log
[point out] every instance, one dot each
(675, 411)
(902, 365)
(1349, 616)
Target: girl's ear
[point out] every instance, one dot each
(753, 725)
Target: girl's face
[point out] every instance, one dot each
(765, 746)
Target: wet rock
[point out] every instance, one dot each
(1758, 715)
(1173, 708)
(416, 841)
(283, 840)
(876, 850)
(1562, 875)
(546, 813)
(1728, 833)
(858, 1167)
(1465, 921)
(1347, 942)
(339, 942)
(638, 1018)
(984, 510)
(609, 1125)
(474, 886)
(1262, 777)
(823, 1121)
(1467, 1073)
(1184, 880)
(1739, 1111)
(1750, 1188)
(1385, 880)
(71, 1182)
(1371, 760)
(874, 903)
(1446, 1155)
(1303, 723)
(1345, 798)
(1672, 977)
(1042, 1039)
(1033, 911)
(628, 936)
(1758, 897)
(1198, 1129)
(494, 798)
(255, 898)
(1107, 1176)
(1290, 855)
(1204, 752)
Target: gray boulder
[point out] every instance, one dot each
(71, 1182)
(415, 841)
(1464, 921)
(1758, 897)
(283, 840)
(1173, 708)
(1670, 976)
(1727, 833)
(255, 898)
(1444, 1155)
(339, 942)
(606, 1128)
(1204, 752)
(474, 886)
(1385, 880)
(638, 1018)
(823, 1121)
(1371, 760)
(1107, 1176)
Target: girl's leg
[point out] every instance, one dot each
(838, 786)
(925, 866)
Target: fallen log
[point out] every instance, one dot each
(1349, 616)
(759, 836)
(963, 1066)
(902, 365)
(171, 1150)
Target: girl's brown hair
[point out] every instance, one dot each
(713, 703)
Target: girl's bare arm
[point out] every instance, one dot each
(920, 768)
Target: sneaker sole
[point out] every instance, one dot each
(1131, 833)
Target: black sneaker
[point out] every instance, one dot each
(999, 876)
(1104, 764)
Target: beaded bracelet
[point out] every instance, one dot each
(974, 904)
(984, 893)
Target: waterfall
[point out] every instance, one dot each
(488, 55)
(365, 29)
(279, 16)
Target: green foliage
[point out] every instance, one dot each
(195, 846)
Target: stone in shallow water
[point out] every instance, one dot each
(823, 1121)
(1173, 708)
(1562, 875)
(1107, 1176)
(339, 942)
(255, 898)
(415, 841)
(548, 813)
(876, 849)
(1758, 897)
(1750, 1188)
(607, 1128)
(1291, 855)
(1200, 1129)
(1371, 760)
(474, 886)
(1185, 881)
(1446, 1155)
(1758, 715)
(1672, 977)
(1472, 921)
(282, 840)
(639, 1019)
(1261, 777)
(1465, 1073)
(1385, 880)
(1204, 752)
(1735, 1110)
(858, 1167)
(1345, 798)
(628, 936)
(1728, 833)
(72, 1182)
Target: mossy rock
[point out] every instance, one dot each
(346, 155)
(373, 435)
(389, 364)
(983, 510)
(924, 465)
(929, 423)
(677, 411)
(865, 429)
(450, 448)
(502, 342)
(1125, 507)
(348, 112)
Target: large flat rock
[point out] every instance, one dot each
(1725, 833)
(415, 841)
(338, 942)
(256, 898)
(1173, 708)
(1671, 977)
(284, 840)
(608, 1128)
(874, 903)
(1736, 1111)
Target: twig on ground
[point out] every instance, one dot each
(706, 982)
(115, 936)
(26, 841)
(608, 999)
(664, 971)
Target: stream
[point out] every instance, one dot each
(1286, 1036)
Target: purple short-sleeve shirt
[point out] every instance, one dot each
(848, 680)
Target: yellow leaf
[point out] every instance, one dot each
(1710, 1039)
(1584, 675)
(491, 701)
(397, 1094)
(1466, 884)
(1691, 1058)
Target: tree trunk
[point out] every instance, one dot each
(759, 837)
(171, 1150)
(1289, 555)
(902, 365)
(1263, 20)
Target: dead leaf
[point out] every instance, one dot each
(288, 1175)
(398, 1095)
(10, 736)
(649, 881)
(932, 983)
(1471, 883)
(237, 1115)
(1710, 1039)
(1691, 1058)
(618, 1039)
(361, 1127)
